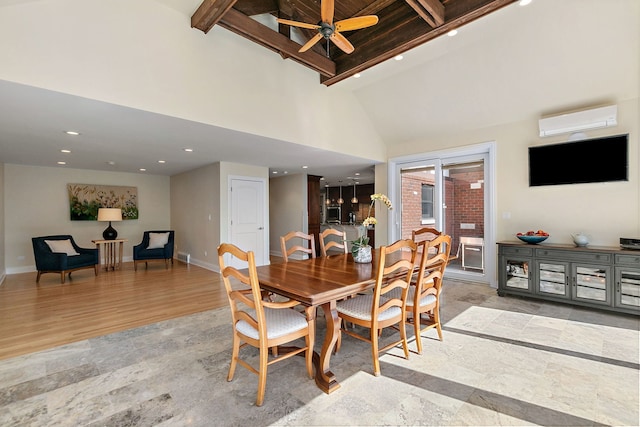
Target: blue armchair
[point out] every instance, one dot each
(154, 247)
(63, 260)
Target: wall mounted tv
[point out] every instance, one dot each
(590, 160)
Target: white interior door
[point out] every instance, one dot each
(248, 216)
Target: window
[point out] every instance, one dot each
(427, 202)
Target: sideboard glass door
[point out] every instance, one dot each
(591, 283)
(628, 287)
(553, 279)
(518, 274)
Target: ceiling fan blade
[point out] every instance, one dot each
(298, 24)
(326, 11)
(356, 23)
(311, 42)
(342, 42)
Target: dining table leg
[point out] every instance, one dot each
(325, 379)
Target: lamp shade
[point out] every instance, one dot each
(109, 214)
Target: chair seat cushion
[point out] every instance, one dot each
(81, 260)
(158, 240)
(279, 322)
(63, 246)
(360, 308)
(424, 301)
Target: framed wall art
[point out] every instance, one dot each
(86, 199)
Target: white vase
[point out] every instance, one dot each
(363, 255)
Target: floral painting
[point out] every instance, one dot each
(85, 199)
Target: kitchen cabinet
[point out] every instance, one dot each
(601, 277)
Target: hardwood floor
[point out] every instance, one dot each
(35, 317)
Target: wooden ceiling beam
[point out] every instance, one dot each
(209, 13)
(250, 29)
(374, 7)
(431, 11)
(384, 49)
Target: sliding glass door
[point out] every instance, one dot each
(449, 192)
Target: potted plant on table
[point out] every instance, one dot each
(360, 248)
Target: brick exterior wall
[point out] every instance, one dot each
(463, 203)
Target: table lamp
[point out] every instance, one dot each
(109, 214)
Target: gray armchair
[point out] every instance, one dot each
(149, 249)
(48, 261)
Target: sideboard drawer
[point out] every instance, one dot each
(580, 256)
(632, 260)
(516, 250)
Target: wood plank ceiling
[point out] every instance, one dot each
(403, 25)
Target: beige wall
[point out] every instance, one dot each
(3, 271)
(200, 208)
(194, 196)
(144, 55)
(604, 211)
(287, 208)
(38, 205)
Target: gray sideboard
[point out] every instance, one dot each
(600, 277)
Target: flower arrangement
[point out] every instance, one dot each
(363, 239)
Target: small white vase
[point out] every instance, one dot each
(363, 255)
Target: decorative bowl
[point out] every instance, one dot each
(531, 239)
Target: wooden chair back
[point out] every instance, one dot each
(424, 234)
(326, 243)
(250, 312)
(424, 297)
(387, 303)
(297, 246)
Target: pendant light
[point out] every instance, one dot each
(340, 200)
(354, 199)
(327, 198)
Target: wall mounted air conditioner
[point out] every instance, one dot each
(595, 118)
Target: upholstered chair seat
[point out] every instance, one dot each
(60, 254)
(155, 245)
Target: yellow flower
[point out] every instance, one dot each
(363, 239)
(369, 221)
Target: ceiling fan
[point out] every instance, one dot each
(329, 30)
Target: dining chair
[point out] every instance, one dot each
(306, 239)
(423, 297)
(258, 322)
(327, 243)
(427, 234)
(377, 310)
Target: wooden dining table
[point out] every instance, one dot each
(321, 282)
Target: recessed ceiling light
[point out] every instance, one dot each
(161, 161)
(65, 151)
(305, 167)
(452, 33)
(524, 2)
(356, 76)
(188, 150)
(285, 172)
(357, 173)
(111, 162)
(62, 163)
(322, 178)
(142, 170)
(398, 57)
(275, 172)
(72, 132)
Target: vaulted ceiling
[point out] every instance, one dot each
(402, 25)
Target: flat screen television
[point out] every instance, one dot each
(590, 160)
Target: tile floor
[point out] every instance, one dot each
(503, 361)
